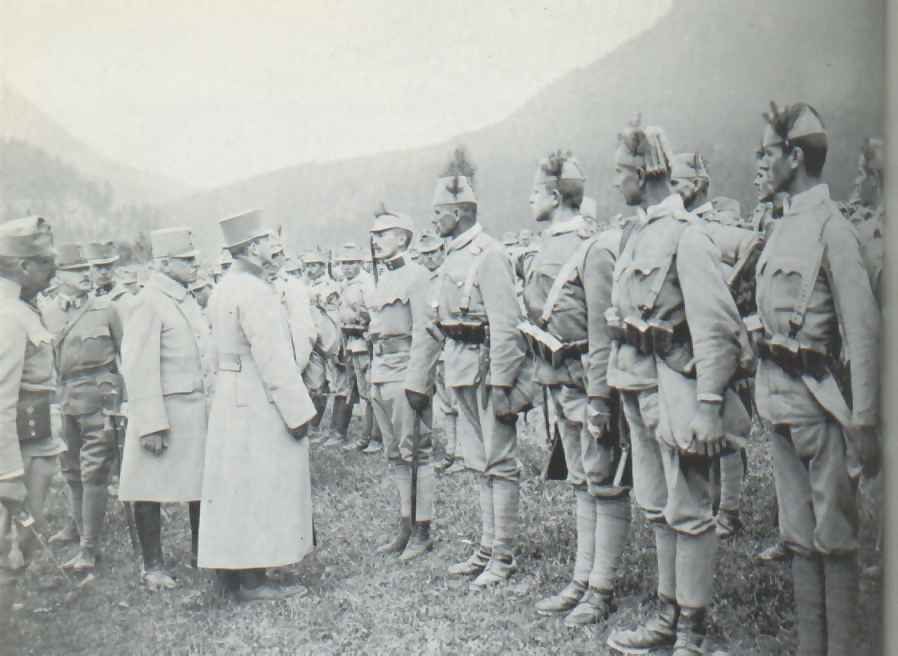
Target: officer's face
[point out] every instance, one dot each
(181, 269)
(37, 272)
(543, 201)
(75, 282)
(314, 270)
(389, 243)
(445, 220)
(628, 177)
(262, 249)
(432, 260)
(350, 269)
(103, 274)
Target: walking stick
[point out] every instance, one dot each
(416, 437)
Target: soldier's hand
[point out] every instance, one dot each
(598, 417)
(155, 443)
(502, 404)
(706, 430)
(299, 432)
(867, 440)
(418, 401)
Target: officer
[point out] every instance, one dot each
(485, 355)
(28, 448)
(815, 302)
(397, 304)
(87, 333)
(433, 252)
(256, 493)
(102, 257)
(323, 371)
(165, 362)
(566, 295)
(674, 379)
(354, 317)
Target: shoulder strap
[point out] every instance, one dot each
(465, 303)
(562, 278)
(796, 321)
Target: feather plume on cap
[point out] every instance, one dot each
(650, 144)
(460, 165)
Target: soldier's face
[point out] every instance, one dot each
(628, 177)
(103, 274)
(75, 282)
(781, 167)
(37, 272)
(432, 260)
(445, 220)
(181, 269)
(314, 270)
(389, 243)
(543, 202)
(350, 269)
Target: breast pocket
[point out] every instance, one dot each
(96, 346)
(782, 281)
(645, 280)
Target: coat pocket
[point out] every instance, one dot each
(180, 384)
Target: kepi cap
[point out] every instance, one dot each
(385, 219)
(30, 236)
(69, 257)
(688, 166)
(349, 252)
(242, 228)
(429, 242)
(173, 242)
(100, 252)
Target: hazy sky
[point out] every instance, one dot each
(210, 92)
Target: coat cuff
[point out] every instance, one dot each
(294, 404)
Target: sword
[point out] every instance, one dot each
(416, 436)
(25, 520)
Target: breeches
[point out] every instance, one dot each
(361, 366)
(488, 445)
(90, 449)
(396, 419)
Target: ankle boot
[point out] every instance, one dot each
(691, 631)
(659, 630)
(398, 544)
(564, 601)
(595, 607)
(420, 543)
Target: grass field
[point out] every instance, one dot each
(364, 604)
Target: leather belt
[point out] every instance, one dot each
(389, 344)
(794, 359)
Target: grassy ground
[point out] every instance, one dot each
(363, 604)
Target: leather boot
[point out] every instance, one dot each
(94, 513)
(71, 532)
(659, 630)
(564, 601)
(596, 606)
(193, 508)
(691, 631)
(227, 582)
(148, 521)
(841, 580)
(398, 544)
(420, 543)
(255, 586)
(499, 570)
(474, 564)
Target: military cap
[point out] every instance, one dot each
(30, 236)
(349, 252)
(454, 190)
(242, 228)
(428, 242)
(96, 252)
(798, 121)
(313, 257)
(689, 166)
(650, 144)
(559, 166)
(225, 258)
(385, 219)
(588, 208)
(292, 264)
(70, 257)
(173, 242)
(509, 239)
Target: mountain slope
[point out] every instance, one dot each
(705, 72)
(21, 120)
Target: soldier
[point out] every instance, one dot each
(677, 345)
(566, 295)
(165, 362)
(87, 335)
(433, 253)
(354, 318)
(525, 237)
(102, 257)
(257, 426)
(690, 178)
(397, 304)
(28, 448)
(485, 355)
(813, 292)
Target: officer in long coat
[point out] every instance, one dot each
(566, 295)
(678, 343)
(816, 304)
(87, 334)
(28, 448)
(165, 362)
(485, 355)
(257, 506)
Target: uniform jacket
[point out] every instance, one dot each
(26, 364)
(578, 313)
(396, 304)
(167, 366)
(842, 301)
(492, 299)
(257, 509)
(353, 308)
(669, 269)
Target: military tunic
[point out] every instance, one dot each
(489, 445)
(167, 368)
(815, 304)
(324, 294)
(669, 269)
(353, 312)
(257, 507)
(397, 304)
(568, 290)
(28, 449)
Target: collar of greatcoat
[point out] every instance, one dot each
(807, 199)
(564, 227)
(673, 204)
(464, 238)
(168, 286)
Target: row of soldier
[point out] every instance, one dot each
(652, 338)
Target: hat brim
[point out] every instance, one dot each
(263, 232)
(73, 267)
(181, 256)
(105, 260)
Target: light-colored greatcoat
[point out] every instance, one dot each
(165, 361)
(257, 505)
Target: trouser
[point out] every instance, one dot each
(675, 493)
(39, 471)
(488, 445)
(148, 521)
(339, 376)
(396, 419)
(86, 466)
(448, 408)
(360, 364)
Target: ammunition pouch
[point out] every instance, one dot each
(467, 331)
(389, 344)
(549, 348)
(33, 414)
(652, 337)
(794, 359)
